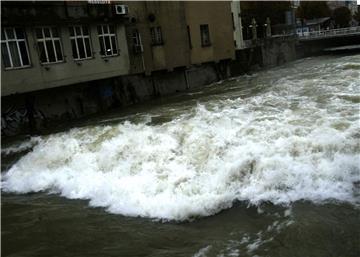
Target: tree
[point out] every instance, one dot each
(260, 10)
(357, 15)
(312, 10)
(342, 16)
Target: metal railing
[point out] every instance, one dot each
(329, 33)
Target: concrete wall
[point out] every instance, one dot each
(278, 50)
(43, 76)
(236, 14)
(45, 109)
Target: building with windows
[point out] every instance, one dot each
(210, 29)
(68, 59)
(161, 29)
(52, 44)
(179, 34)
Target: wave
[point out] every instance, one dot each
(281, 146)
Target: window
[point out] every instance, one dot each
(80, 42)
(14, 49)
(156, 36)
(49, 45)
(205, 35)
(137, 41)
(107, 39)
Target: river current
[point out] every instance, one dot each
(258, 165)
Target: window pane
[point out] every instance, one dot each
(19, 33)
(2, 34)
(85, 31)
(74, 51)
(58, 50)
(10, 33)
(39, 33)
(77, 31)
(159, 35)
(71, 31)
(88, 47)
(51, 51)
(81, 48)
(99, 30)
(107, 46)
(5, 55)
(105, 28)
(112, 29)
(24, 54)
(55, 32)
(47, 32)
(14, 54)
(102, 47)
(135, 37)
(113, 41)
(205, 35)
(42, 52)
(153, 38)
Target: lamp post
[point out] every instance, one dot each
(253, 26)
(249, 29)
(268, 27)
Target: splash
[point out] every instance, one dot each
(296, 140)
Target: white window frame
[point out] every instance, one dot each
(136, 39)
(17, 40)
(82, 36)
(109, 35)
(52, 39)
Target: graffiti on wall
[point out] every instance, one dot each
(14, 119)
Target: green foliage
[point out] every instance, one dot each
(260, 10)
(312, 10)
(342, 16)
(357, 16)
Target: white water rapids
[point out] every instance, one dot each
(298, 139)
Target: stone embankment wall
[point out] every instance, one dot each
(278, 50)
(40, 110)
(35, 111)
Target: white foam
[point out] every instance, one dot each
(203, 251)
(257, 149)
(22, 146)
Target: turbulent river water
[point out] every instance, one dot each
(258, 165)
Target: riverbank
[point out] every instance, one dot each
(39, 111)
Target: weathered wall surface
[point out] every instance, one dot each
(278, 50)
(35, 111)
(217, 15)
(169, 16)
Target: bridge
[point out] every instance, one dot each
(318, 42)
(332, 33)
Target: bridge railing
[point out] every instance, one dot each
(329, 33)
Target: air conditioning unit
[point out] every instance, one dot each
(121, 9)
